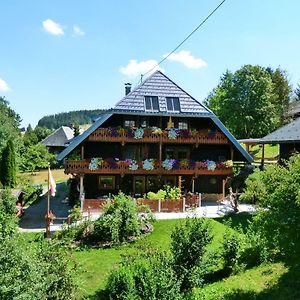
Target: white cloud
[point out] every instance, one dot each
(4, 86)
(185, 57)
(135, 68)
(78, 31)
(52, 27)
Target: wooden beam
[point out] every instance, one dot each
(263, 155)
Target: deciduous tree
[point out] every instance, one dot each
(245, 102)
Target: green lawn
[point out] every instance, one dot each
(41, 177)
(271, 152)
(94, 265)
(269, 281)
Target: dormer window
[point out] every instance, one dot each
(173, 104)
(151, 103)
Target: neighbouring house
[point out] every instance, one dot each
(288, 138)
(156, 135)
(59, 139)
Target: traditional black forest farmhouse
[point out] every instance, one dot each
(157, 134)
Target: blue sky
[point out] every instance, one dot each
(58, 56)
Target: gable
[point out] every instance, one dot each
(161, 86)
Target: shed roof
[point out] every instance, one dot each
(59, 137)
(289, 133)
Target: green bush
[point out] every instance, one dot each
(149, 276)
(120, 222)
(8, 220)
(279, 220)
(189, 240)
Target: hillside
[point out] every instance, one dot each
(79, 117)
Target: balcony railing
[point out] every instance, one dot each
(159, 168)
(203, 136)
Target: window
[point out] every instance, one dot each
(173, 104)
(183, 125)
(151, 103)
(129, 123)
(106, 182)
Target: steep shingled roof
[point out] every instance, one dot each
(161, 86)
(285, 134)
(59, 137)
(158, 84)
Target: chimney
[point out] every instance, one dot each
(127, 88)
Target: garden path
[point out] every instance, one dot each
(34, 218)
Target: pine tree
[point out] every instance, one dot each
(8, 166)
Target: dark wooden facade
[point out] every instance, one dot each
(115, 144)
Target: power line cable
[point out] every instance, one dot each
(180, 44)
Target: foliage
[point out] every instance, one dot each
(282, 90)
(8, 220)
(188, 246)
(76, 129)
(44, 272)
(65, 119)
(8, 166)
(169, 192)
(247, 102)
(9, 123)
(35, 157)
(32, 193)
(119, 223)
(147, 277)
(297, 93)
(32, 137)
(279, 196)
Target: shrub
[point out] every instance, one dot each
(188, 246)
(8, 220)
(230, 252)
(120, 222)
(279, 221)
(149, 276)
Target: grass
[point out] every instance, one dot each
(94, 265)
(271, 151)
(41, 177)
(270, 281)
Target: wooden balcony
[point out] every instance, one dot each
(202, 136)
(121, 167)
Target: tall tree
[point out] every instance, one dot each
(9, 123)
(8, 165)
(297, 93)
(244, 102)
(282, 90)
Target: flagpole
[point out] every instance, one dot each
(48, 206)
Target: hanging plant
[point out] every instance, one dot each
(156, 130)
(95, 163)
(184, 163)
(185, 133)
(192, 164)
(113, 131)
(148, 164)
(168, 164)
(228, 163)
(112, 162)
(211, 165)
(138, 133)
(130, 132)
(172, 134)
(132, 164)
